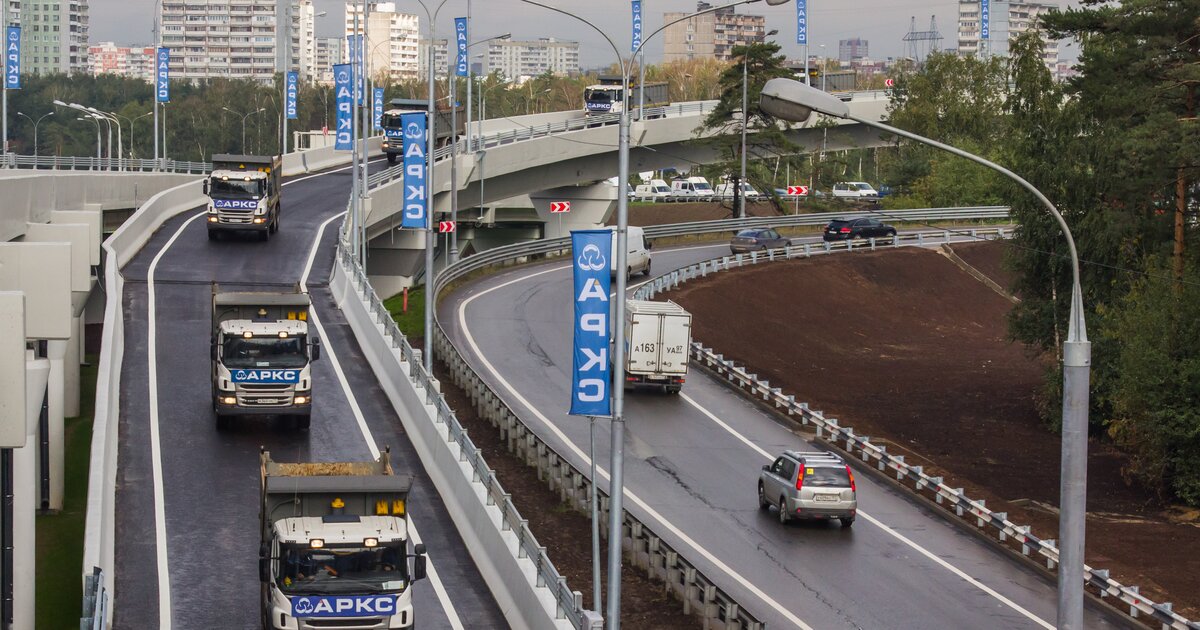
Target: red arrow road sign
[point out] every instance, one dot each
(797, 190)
(889, 82)
(557, 207)
(445, 226)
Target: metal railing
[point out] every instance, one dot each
(95, 602)
(845, 439)
(924, 215)
(73, 163)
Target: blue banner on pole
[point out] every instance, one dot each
(415, 149)
(985, 19)
(637, 25)
(591, 372)
(354, 43)
(12, 58)
(162, 73)
(377, 108)
(802, 22)
(343, 89)
(460, 33)
(293, 94)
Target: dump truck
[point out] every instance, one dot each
(243, 195)
(393, 133)
(658, 338)
(262, 355)
(605, 97)
(335, 545)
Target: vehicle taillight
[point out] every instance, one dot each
(852, 488)
(845, 230)
(800, 479)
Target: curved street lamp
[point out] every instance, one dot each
(616, 462)
(247, 115)
(35, 131)
(792, 100)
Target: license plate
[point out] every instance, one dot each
(825, 498)
(268, 401)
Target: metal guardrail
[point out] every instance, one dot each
(822, 218)
(845, 439)
(72, 163)
(95, 602)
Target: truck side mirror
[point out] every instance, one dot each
(316, 350)
(766, 467)
(649, 244)
(206, 186)
(212, 349)
(419, 568)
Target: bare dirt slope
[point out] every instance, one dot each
(905, 346)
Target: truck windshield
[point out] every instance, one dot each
(235, 188)
(601, 95)
(342, 569)
(265, 352)
(701, 186)
(390, 121)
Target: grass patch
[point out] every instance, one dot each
(411, 322)
(60, 536)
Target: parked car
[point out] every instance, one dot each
(855, 190)
(757, 239)
(809, 485)
(849, 229)
(726, 190)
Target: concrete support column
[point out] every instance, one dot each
(72, 359)
(591, 206)
(25, 490)
(57, 353)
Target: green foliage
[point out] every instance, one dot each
(1153, 331)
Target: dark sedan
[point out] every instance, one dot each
(847, 229)
(757, 240)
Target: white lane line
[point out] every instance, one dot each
(438, 587)
(160, 511)
(322, 174)
(874, 521)
(687, 540)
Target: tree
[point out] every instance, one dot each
(768, 136)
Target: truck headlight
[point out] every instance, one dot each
(301, 400)
(229, 400)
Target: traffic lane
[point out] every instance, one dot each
(447, 552)
(553, 378)
(684, 475)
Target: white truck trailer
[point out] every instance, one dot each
(335, 546)
(658, 337)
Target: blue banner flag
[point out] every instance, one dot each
(162, 73)
(377, 108)
(415, 148)
(354, 43)
(637, 25)
(12, 58)
(802, 22)
(591, 373)
(343, 89)
(985, 19)
(293, 93)
(460, 32)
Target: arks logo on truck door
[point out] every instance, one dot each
(266, 377)
(344, 606)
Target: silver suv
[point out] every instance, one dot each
(809, 485)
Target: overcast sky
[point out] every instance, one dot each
(882, 22)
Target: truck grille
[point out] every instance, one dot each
(235, 216)
(264, 395)
(363, 623)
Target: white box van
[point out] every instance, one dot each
(658, 338)
(725, 191)
(859, 190)
(656, 190)
(639, 252)
(692, 189)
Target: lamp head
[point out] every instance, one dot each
(776, 3)
(771, 32)
(59, 103)
(505, 36)
(789, 99)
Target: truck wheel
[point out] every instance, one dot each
(274, 225)
(391, 158)
(302, 421)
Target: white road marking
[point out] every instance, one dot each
(874, 521)
(698, 548)
(160, 515)
(435, 580)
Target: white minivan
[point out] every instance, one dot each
(860, 190)
(639, 252)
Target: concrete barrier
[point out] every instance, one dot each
(321, 158)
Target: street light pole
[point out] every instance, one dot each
(35, 129)
(791, 100)
(741, 188)
(133, 132)
(617, 434)
(431, 113)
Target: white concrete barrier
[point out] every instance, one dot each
(321, 158)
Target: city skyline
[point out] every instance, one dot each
(129, 22)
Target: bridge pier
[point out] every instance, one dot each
(591, 206)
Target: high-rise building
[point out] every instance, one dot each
(712, 35)
(329, 52)
(852, 49)
(54, 35)
(441, 61)
(516, 59)
(392, 39)
(128, 61)
(239, 40)
(1003, 27)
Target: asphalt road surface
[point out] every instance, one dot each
(691, 467)
(196, 566)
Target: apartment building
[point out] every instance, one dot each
(135, 62)
(1006, 21)
(712, 35)
(238, 39)
(54, 35)
(441, 60)
(852, 49)
(392, 40)
(330, 51)
(515, 59)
